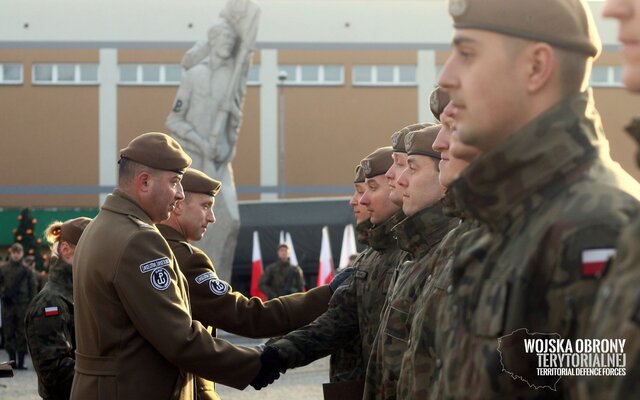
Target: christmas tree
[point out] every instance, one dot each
(24, 234)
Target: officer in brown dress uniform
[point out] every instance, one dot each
(213, 302)
(134, 332)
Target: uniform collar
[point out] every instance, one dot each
(120, 203)
(381, 237)
(362, 232)
(418, 233)
(498, 186)
(60, 273)
(170, 234)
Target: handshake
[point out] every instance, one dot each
(272, 365)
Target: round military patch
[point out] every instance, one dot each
(218, 286)
(457, 7)
(160, 279)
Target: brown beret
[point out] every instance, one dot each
(421, 142)
(567, 24)
(378, 162)
(397, 139)
(157, 150)
(438, 100)
(198, 182)
(72, 229)
(359, 175)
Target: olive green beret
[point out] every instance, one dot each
(198, 182)
(359, 178)
(378, 162)
(157, 150)
(397, 139)
(421, 142)
(567, 24)
(71, 230)
(438, 100)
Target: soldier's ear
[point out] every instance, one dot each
(143, 181)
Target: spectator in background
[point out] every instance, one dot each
(282, 278)
(49, 321)
(39, 277)
(17, 288)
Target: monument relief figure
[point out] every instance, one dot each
(207, 113)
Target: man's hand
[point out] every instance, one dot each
(272, 365)
(340, 277)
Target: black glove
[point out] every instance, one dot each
(270, 370)
(340, 277)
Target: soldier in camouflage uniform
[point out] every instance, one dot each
(422, 358)
(49, 323)
(282, 278)
(419, 235)
(355, 307)
(617, 310)
(17, 288)
(213, 301)
(544, 185)
(346, 363)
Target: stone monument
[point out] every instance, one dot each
(207, 112)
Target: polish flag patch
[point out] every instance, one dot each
(595, 260)
(51, 311)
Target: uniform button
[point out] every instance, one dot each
(438, 363)
(429, 277)
(450, 289)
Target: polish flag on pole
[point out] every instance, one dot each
(325, 268)
(256, 268)
(281, 241)
(293, 259)
(348, 246)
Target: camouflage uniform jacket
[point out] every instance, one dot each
(17, 284)
(418, 235)
(617, 311)
(421, 359)
(280, 279)
(354, 309)
(215, 304)
(549, 195)
(346, 364)
(50, 333)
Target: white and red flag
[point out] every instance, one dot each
(51, 311)
(256, 268)
(293, 259)
(595, 260)
(325, 268)
(348, 246)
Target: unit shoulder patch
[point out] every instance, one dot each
(160, 279)
(218, 286)
(153, 264)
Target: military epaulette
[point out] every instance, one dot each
(187, 245)
(141, 224)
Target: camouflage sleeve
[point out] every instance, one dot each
(327, 334)
(50, 341)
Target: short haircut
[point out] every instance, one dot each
(16, 248)
(282, 246)
(129, 169)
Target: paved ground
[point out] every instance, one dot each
(300, 383)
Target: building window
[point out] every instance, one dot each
(65, 74)
(10, 74)
(384, 75)
(150, 74)
(309, 74)
(606, 75)
(254, 75)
